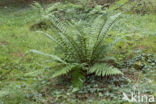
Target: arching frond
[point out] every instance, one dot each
(56, 58)
(104, 70)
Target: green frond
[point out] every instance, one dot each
(93, 32)
(81, 39)
(70, 36)
(61, 41)
(108, 25)
(98, 26)
(51, 37)
(77, 78)
(38, 6)
(101, 36)
(104, 70)
(63, 71)
(56, 58)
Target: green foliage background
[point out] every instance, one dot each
(26, 78)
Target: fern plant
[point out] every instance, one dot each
(83, 48)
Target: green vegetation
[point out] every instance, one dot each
(28, 78)
(83, 50)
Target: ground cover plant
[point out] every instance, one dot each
(27, 78)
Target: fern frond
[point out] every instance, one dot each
(108, 25)
(56, 58)
(38, 6)
(69, 35)
(104, 70)
(62, 42)
(98, 25)
(100, 38)
(81, 39)
(63, 71)
(77, 78)
(93, 32)
(51, 37)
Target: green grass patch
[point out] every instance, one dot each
(25, 77)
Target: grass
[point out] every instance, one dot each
(19, 70)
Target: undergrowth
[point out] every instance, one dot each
(26, 78)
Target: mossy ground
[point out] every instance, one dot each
(19, 70)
